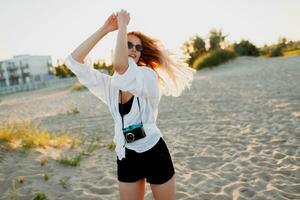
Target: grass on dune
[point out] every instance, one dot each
(291, 53)
(70, 161)
(77, 86)
(27, 135)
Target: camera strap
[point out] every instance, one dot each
(131, 108)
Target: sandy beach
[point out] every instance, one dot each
(234, 135)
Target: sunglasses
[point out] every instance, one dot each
(138, 47)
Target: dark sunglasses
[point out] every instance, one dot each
(138, 47)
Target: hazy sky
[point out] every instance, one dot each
(56, 27)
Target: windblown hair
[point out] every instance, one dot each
(173, 73)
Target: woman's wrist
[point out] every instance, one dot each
(122, 25)
(103, 30)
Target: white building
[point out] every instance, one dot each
(24, 69)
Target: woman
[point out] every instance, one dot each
(144, 71)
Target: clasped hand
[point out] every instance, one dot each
(117, 20)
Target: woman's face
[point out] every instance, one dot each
(134, 50)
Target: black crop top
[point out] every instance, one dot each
(126, 106)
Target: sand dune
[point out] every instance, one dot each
(234, 135)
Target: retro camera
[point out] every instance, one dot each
(134, 132)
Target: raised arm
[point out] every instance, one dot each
(120, 60)
(84, 48)
(98, 83)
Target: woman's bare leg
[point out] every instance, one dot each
(132, 191)
(165, 191)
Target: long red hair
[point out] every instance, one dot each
(173, 73)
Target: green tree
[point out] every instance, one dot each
(245, 48)
(101, 64)
(280, 46)
(63, 71)
(216, 38)
(193, 48)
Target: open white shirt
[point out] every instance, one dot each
(142, 82)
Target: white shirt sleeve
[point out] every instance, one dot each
(140, 81)
(98, 83)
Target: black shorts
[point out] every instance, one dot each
(155, 165)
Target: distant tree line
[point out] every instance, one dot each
(62, 71)
(219, 51)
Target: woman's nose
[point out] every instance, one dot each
(133, 49)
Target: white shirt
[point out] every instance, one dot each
(142, 82)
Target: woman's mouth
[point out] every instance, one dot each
(132, 56)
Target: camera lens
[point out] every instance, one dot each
(130, 137)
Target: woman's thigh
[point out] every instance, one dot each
(132, 191)
(159, 166)
(165, 191)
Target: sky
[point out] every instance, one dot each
(57, 27)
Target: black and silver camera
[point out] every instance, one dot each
(134, 132)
